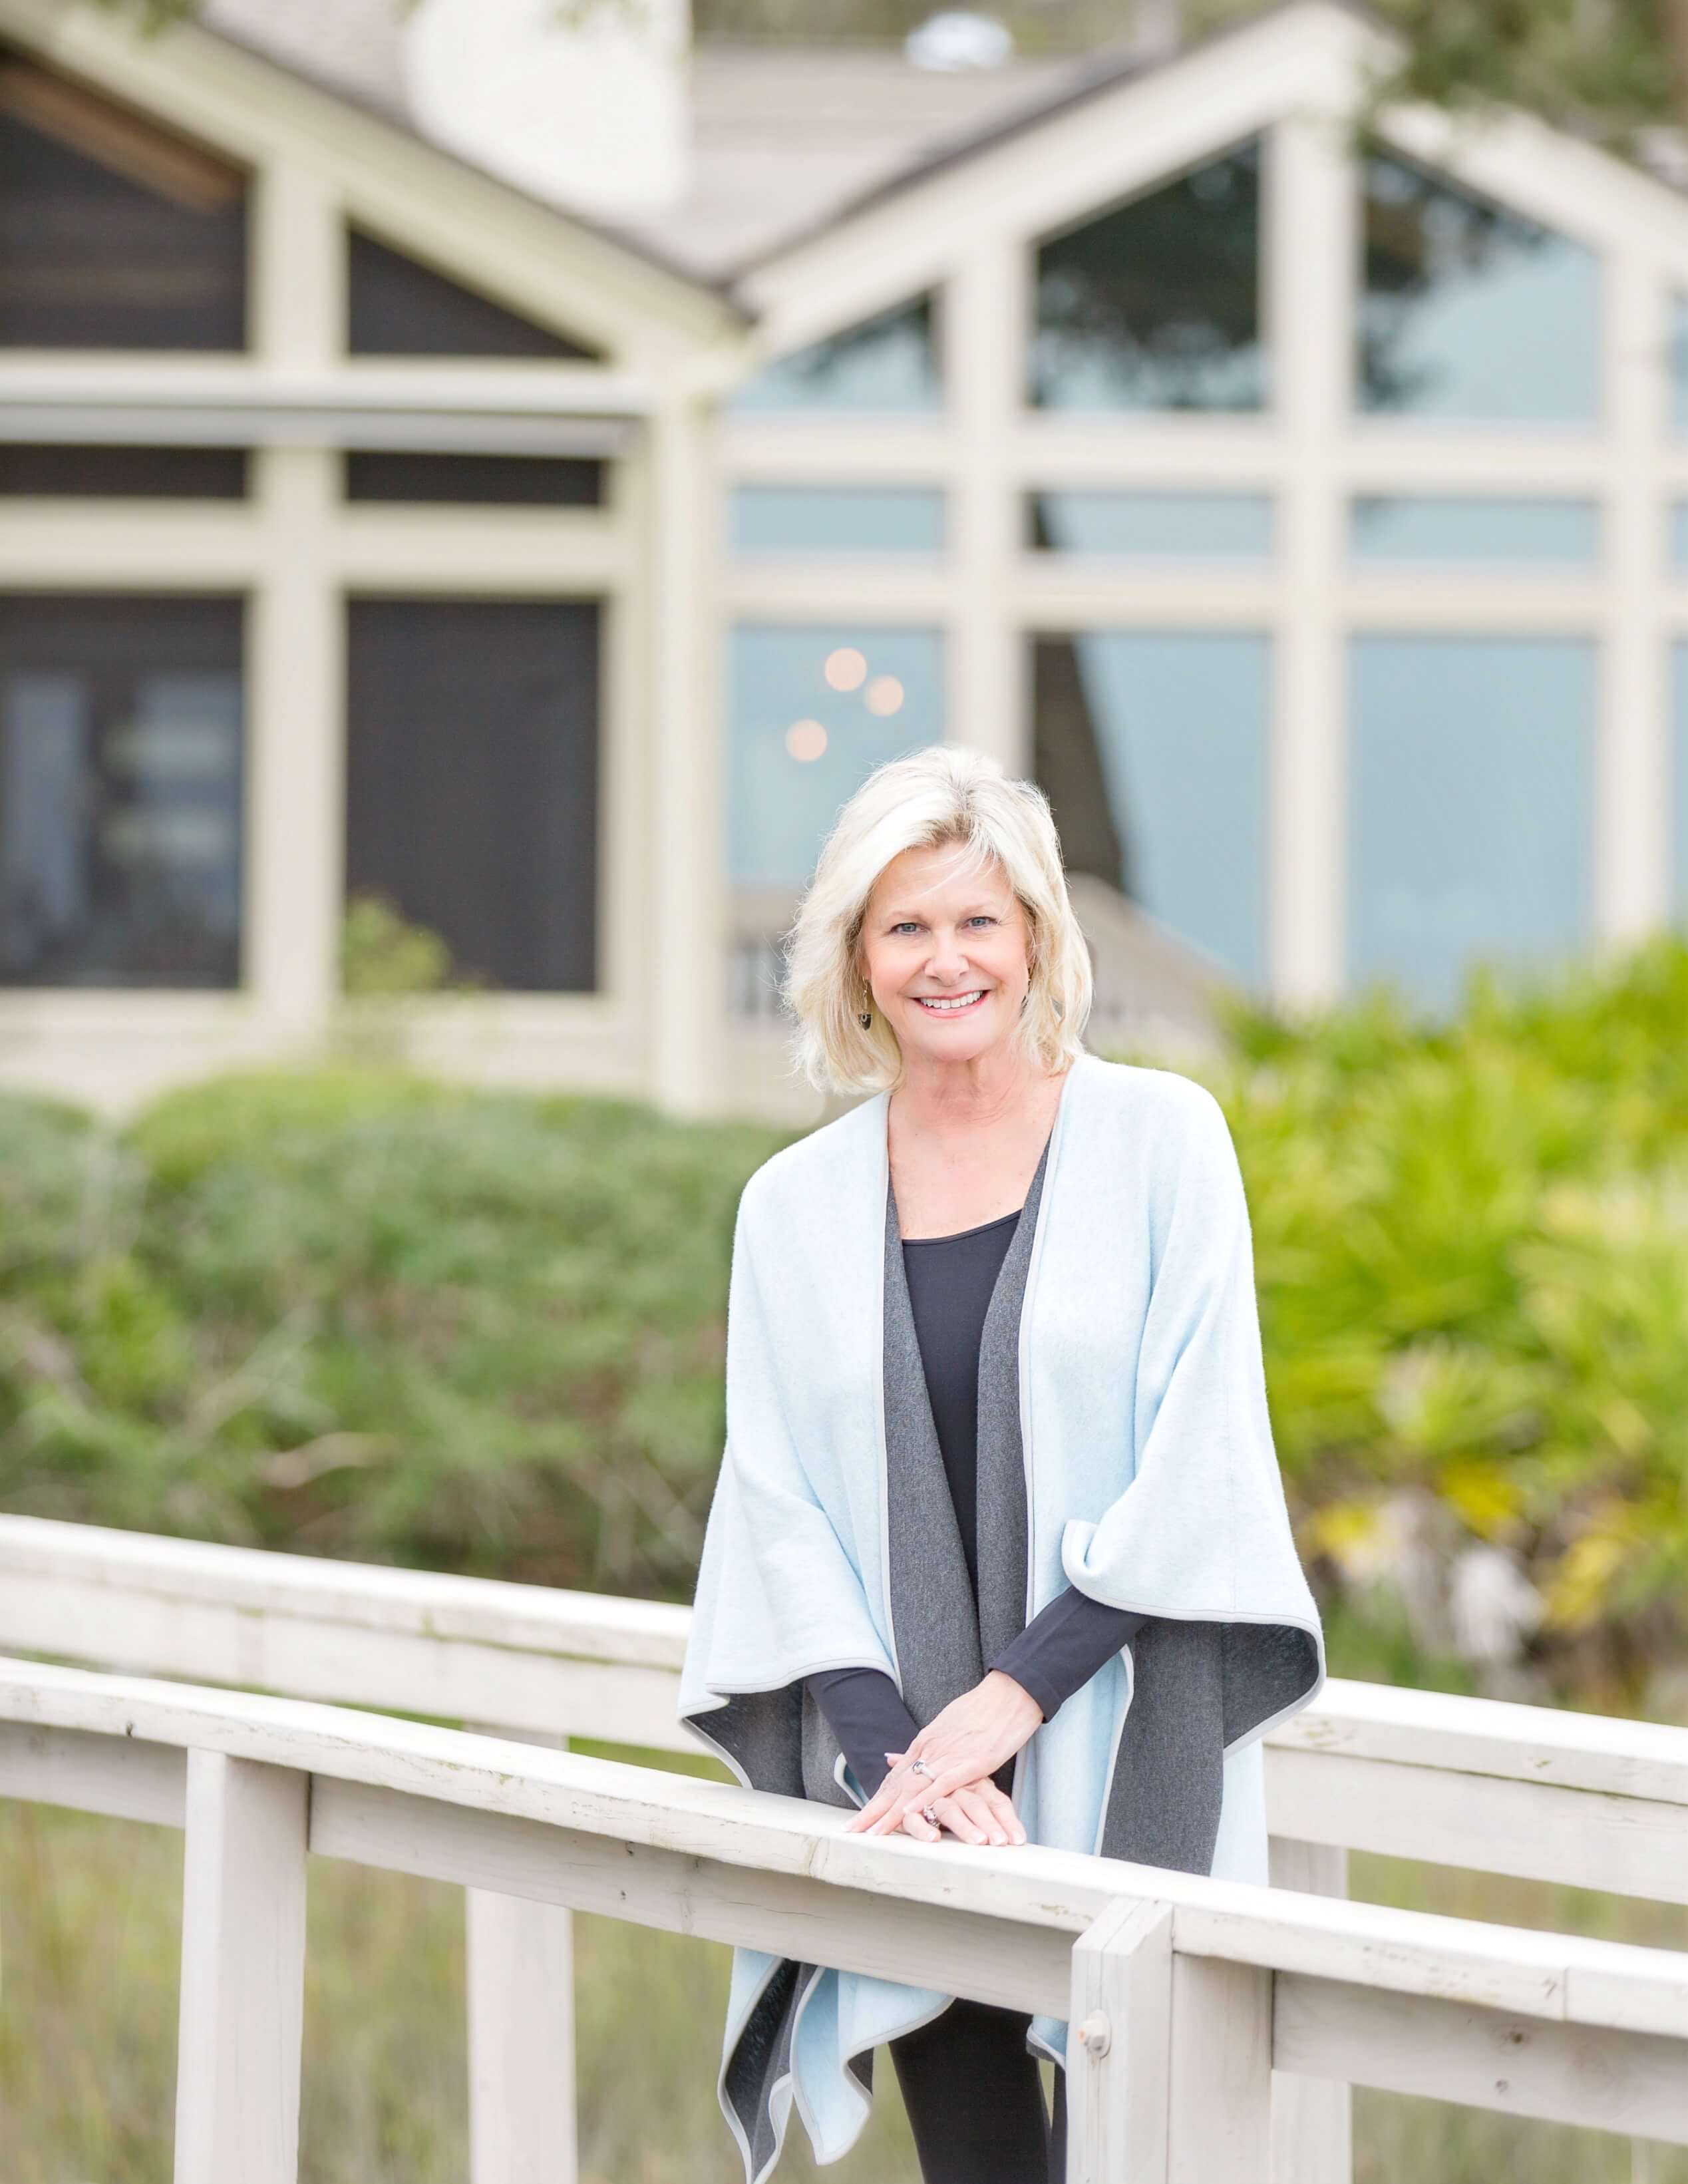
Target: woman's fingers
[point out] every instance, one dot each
(968, 1815)
(884, 1811)
(974, 1810)
(976, 1813)
(878, 1806)
(1002, 1806)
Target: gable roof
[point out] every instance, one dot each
(785, 137)
(791, 143)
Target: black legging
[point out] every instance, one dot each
(975, 2100)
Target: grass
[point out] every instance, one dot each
(90, 1934)
(90, 1912)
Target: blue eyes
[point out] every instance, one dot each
(980, 917)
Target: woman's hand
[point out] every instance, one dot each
(963, 1746)
(978, 1812)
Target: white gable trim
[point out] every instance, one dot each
(1054, 172)
(1310, 63)
(532, 258)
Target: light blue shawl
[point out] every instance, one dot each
(1151, 1484)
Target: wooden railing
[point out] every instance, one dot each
(1186, 1996)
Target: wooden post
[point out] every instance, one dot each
(242, 1972)
(1219, 2109)
(520, 1978)
(1118, 2035)
(1312, 2128)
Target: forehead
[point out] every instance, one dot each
(947, 869)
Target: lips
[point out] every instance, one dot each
(949, 1005)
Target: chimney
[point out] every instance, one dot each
(581, 102)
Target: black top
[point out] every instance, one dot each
(950, 1279)
(950, 1282)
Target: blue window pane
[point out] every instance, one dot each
(1557, 533)
(813, 711)
(1470, 311)
(1678, 364)
(1678, 761)
(1679, 534)
(1151, 747)
(1156, 305)
(1154, 526)
(888, 362)
(843, 518)
(1471, 786)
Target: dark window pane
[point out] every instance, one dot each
(471, 789)
(1151, 747)
(96, 473)
(113, 235)
(121, 764)
(1156, 306)
(1470, 311)
(1471, 786)
(888, 362)
(549, 480)
(397, 307)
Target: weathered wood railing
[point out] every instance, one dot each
(1190, 1972)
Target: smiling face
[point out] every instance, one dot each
(945, 952)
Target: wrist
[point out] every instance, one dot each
(1015, 1693)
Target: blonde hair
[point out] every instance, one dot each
(941, 795)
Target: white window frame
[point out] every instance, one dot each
(969, 231)
(296, 551)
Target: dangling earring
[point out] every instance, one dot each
(865, 1018)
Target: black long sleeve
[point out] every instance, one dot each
(1059, 1650)
(1063, 1646)
(867, 1717)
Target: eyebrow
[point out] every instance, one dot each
(973, 910)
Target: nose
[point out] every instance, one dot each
(948, 962)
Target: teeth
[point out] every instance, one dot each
(956, 1001)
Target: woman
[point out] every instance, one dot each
(998, 1550)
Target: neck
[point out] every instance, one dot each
(961, 1099)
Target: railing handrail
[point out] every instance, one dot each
(593, 1626)
(1603, 1754)
(1569, 1979)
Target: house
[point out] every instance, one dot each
(378, 514)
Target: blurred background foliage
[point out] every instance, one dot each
(356, 1312)
(1472, 1250)
(1609, 68)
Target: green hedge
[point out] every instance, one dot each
(369, 1315)
(1472, 1250)
(363, 1314)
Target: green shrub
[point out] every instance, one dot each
(362, 1313)
(1471, 1252)
(371, 1316)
